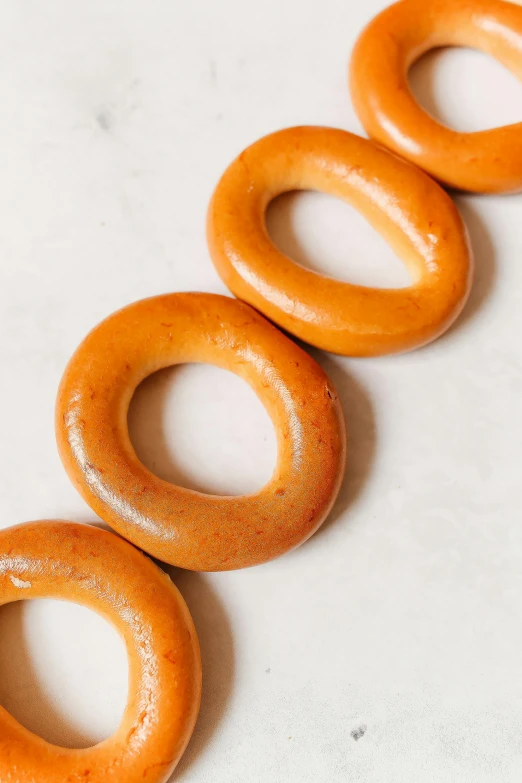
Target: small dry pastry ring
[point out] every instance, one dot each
(95, 568)
(180, 526)
(488, 161)
(416, 217)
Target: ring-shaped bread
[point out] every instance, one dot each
(183, 527)
(414, 214)
(488, 161)
(100, 570)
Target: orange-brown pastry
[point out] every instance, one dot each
(180, 526)
(409, 209)
(488, 161)
(95, 568)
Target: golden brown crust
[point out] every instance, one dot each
(412, 212)
(186, 528)
(95, 568)
(488, 161)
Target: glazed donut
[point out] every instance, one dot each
(412, 212)
(488, 161)
(180, 526)
(95, 568)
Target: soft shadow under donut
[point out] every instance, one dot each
(217, 658)
(485, 272)
(361, 434)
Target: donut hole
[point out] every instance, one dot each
(203, 428)
(466, 89)
(324, 234)
(63, 671)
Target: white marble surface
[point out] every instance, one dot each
(388, 648)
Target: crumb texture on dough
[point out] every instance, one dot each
(19, 582)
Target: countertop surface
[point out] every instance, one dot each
(387, 649)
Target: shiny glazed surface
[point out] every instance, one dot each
(409, 209)
(181, 526)
(95, 568)
(487, 161)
